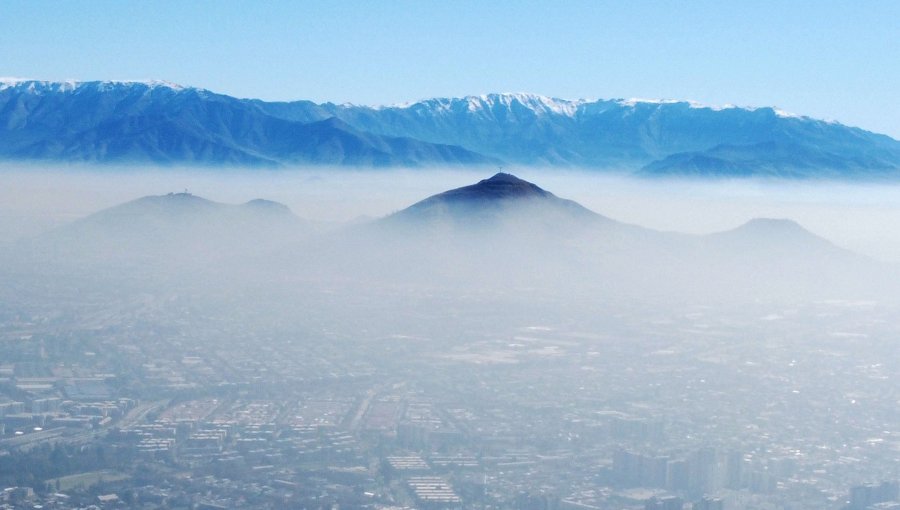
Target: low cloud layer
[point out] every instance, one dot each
(860, 217)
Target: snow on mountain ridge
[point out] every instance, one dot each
(38, 86)
(539, 104)
(474, 103)
(633, 102)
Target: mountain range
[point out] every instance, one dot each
(163, 123)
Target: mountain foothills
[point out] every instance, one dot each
(163, 123)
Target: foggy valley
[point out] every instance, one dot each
(465, 255)
(461, 338)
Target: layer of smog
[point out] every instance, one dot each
(528, 338)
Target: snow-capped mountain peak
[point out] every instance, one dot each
(534, 102)
(490, 102)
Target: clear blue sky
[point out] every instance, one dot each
(827, 59)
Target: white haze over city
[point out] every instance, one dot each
(862, 217)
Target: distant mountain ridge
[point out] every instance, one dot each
(163, 123)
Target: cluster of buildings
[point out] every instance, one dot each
(693, 411)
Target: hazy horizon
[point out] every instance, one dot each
(862, 217)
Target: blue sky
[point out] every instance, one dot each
(827, 59)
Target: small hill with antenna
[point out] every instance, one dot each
(176, 226)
